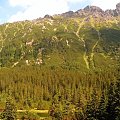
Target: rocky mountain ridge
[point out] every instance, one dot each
(94, 11)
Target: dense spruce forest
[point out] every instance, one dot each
(61, 67)
(68, 94)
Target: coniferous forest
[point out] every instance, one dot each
(67, 94)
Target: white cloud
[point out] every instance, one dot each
(74, 1)
(31, 2)
(36, 8)
(105, 4)
(21, 2)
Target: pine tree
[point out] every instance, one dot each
(10, 111)
(55, 109)
(117, 100)
(101, 113)
(113, 106)
(92, 108)
(79, 111)
(68, 111)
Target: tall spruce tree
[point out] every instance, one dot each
(113, 106)
(79, 110)
(10, 110)
(92, 107)
(55, 110)
(101, 113)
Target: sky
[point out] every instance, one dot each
(17, 10)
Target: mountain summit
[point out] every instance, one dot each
(115, 12)
(93, 10)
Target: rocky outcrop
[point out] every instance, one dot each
(118, 9)
(97, 13)
(90, 10)
(94, 11)
(110, 12)
(48, 17)
(115, 12)
(68, 14)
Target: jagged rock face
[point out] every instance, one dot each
(110, 12)
(115, 12)
(118, 8)
(80, 13)
(90, 10)
(68, 14)
(48, 17)
(93, 9)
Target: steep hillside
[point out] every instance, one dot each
(85, 39)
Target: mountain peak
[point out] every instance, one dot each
(115, 12)
(68, 14)
(93, 9)
(118, 6)
(118, 9)
(48, 17)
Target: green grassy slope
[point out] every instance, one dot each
(75, 43)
